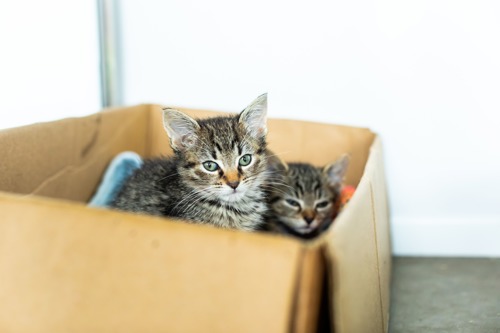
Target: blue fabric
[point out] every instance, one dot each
(119, 170)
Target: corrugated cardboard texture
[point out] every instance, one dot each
(359, 252)
(67, 268)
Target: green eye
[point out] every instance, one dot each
(292, 203)
(322, 204)
(210, 166)
(245, 160)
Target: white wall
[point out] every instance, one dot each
(49, 60)
(424, 74)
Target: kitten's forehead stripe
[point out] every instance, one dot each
(189, 165)
(299, 187)
(274, 200)
(317, 187)
(307, 183)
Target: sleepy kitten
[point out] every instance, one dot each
(302, 202)
(215, 176)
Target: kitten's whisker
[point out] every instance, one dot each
(192, 204)
(196, 193)
(276, 187)
(201, 195)
(274, 190)
(191, 194)
(251, 178)
(174, 174)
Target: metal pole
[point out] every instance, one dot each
(109, 40)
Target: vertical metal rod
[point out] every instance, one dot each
(110, 59)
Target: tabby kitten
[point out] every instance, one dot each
(303, 201)
(216, 175)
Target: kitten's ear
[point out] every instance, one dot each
(336, 171)
(180, 128)
(275, 163)
(253, 118)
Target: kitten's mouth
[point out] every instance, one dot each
(232, 196)
(306, 230)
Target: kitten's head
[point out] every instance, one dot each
(305, 200)
(224, 157)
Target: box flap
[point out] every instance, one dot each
(64, 159)
(68, 268)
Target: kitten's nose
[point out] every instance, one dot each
(234, 184)
(308, 219)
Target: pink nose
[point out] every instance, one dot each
(233, 185)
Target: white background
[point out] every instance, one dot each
(424, 74)
(49, 60)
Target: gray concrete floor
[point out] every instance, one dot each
(445, 295)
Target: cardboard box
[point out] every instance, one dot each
(65, 267)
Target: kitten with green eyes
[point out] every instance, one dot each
(303, 201)
(217, 175)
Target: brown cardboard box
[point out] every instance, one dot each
(65, 267)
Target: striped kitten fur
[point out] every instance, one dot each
(216, 175)
(302, 202)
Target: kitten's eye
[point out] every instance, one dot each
(322, 204)
(245, 160)
(210, 166)
(292, 202)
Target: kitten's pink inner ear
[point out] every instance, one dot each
(183, 142)
(254, 117)
(188, 140)
(337, 170)
(180, 128)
